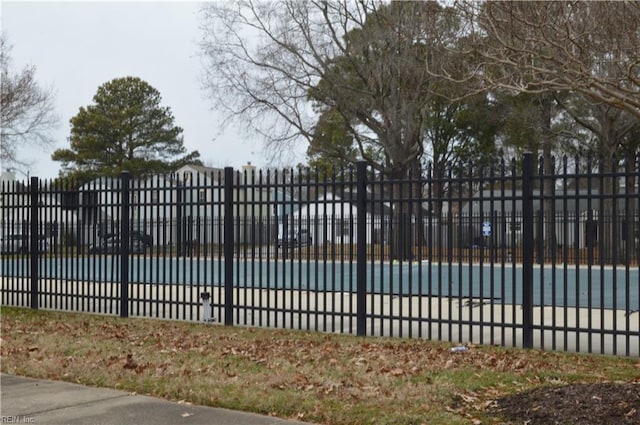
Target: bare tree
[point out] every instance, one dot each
(590, 48)
(26, 111)
(260, 61)
(277, 66)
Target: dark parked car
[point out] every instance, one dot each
(147, 240)
(108, 230)
(111, 245)
(301, 238)
(19, 244)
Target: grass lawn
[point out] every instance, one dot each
(312, 377)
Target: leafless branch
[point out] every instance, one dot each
(591, 48)
(275, 67)
(27, 113)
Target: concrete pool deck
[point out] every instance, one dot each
(465, 320)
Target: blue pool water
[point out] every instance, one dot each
(597, 287)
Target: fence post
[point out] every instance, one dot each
(180, 202)
(124, 244)
(34, 242)
(527, 250)
(228, 246)
(361, 253)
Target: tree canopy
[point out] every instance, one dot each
(282, 67)
(590, 48)
(333, 144)
(125, 129)
(399, 83)
(27, 113)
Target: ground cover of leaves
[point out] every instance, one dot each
(321, 378)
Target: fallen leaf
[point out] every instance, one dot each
(396, 372)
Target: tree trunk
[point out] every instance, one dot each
(606, 218)
(606, 226)
(401, 240)
(632, 228)
(549, 242)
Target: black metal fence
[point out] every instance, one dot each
(505, 255)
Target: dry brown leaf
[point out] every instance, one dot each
(396, 372)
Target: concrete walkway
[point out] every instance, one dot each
(34, 401)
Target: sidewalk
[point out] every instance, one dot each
(34, 401)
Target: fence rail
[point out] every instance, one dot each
(508, 256)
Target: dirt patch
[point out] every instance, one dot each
(606, 403)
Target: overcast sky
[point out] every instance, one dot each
(78, 46)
